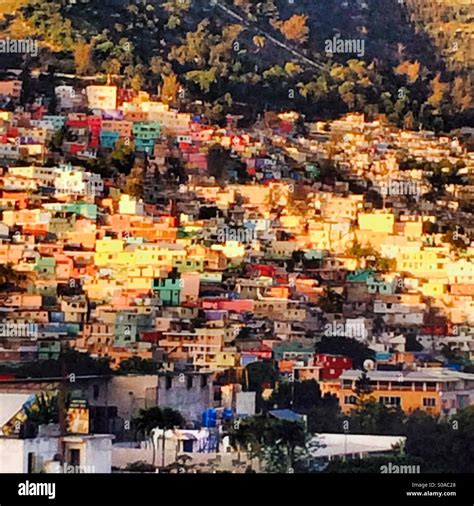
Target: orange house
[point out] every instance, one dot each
(408, 390)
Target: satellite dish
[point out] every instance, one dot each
(369, 365)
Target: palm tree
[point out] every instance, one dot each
(274, 441)
(154, 418)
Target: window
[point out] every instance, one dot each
(350, 399)
(188, 446)
(74, 457)
(169, 382)
(429, 402)
(189, 382)
(95, 391)
(390, 401)
(31, 462)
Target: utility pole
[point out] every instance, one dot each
(62, 410)
(163, 450)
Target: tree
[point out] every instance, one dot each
(300, 396)
(112, 66)
(455, 239)
(275, 72)
(156, 418)
(429, 440)
(177, 6)
(323, 412)
(12, 278)
(284, 438)
(56, 142)
(158, 66)
(294, 28)
(438, 90)
(173, 22)
(331, 301)
(259, 40)
(292, 68)
(325, 416)
(363, 387)
(83, 57)
(137, 365)
(371, 464)
(195, 48)
(203, 78)
(346, 92)
(372, 417)
(69, 362)
(170, 88)
(409, 121)
(136, 82)
(245, 5)
(278, 444)
(462, 92)
(123, 157)
(258, 376)
(261, 375)
(134, 183)
(408, 69)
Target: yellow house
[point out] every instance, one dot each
(215, 361)
(130, 205)
(102, 97)
(428, 262)
(107, 251)
(320, 239)
(231, 249)
(291, 222)
(434, 288)
(334, 206)
(410, 229)
(100, 289)
(376, 222)
(108, 245)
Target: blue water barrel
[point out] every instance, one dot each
(209, 418)
(227, 413)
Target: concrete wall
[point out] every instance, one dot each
(132, 393)
(96, 453)
(232, 461)
(245, 404)
(191, 402)
(14, 453)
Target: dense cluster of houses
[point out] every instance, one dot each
(209, 277)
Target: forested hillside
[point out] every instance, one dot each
(242, 55)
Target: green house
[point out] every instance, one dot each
(361, 276)
(49, 349)
(46, 266)
(188, 264)
(168, 290)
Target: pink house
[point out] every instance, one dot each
(239, 306)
